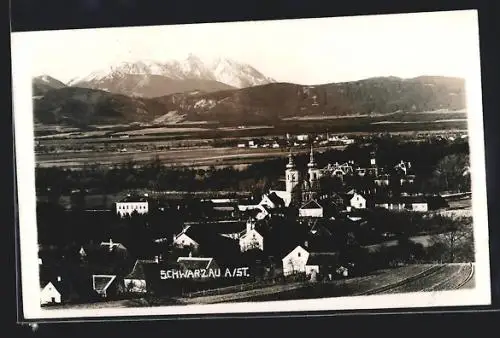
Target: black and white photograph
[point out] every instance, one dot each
(324, 164)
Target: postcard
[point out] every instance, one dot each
(251, 167)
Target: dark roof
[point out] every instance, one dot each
(131, 199)
(318, 229)
(413, 199)
(276, 199)
(250, 213)
(312, 204)
(193, 263)
(322, 258)
(138, 270)
(202, 230)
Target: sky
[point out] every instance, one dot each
(304, 51)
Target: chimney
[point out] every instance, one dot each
(58, 278)
(306, 244)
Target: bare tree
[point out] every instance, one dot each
(457, 241)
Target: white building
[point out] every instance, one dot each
(183, 240)
(295, 261)
(50, 295)
(311, 209)
(130, 204)
(251, 239)
(357, 201)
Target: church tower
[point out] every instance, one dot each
(311, 184)
(291, 174)
(313, 172)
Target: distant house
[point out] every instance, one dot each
(135, 281)
(382, 180)
(264, 211)
(415, 203)
(324, 263)
(105, 285)
(251, 239)
(295, 261)
(286, 196)
(272, 200)
(200, 264)
(357, 201)
(50, 294)
(311, 209)
(185, 239)
(130, 204)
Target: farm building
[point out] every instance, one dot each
(311, 209)
(50, 294)
(135, 281)
(295, 261)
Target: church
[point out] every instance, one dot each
(300, 190)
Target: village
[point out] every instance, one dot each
(314, 226)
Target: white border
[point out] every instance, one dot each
(24, 145)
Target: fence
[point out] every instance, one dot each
(247, 286)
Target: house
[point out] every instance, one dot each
(199, 266)
(382, 180)
(272, 201)
(251, 239)
(357, 201)
(185, 239)
(286, 196)
(324, 263)
(135, 281)
(295, 261)
(105, 285)
(264, 211)
(50, 294)
(110, 246)
(415, 203)
(131, 204)
(311, 209)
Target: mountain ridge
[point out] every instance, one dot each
(219, 70)
(258, 104)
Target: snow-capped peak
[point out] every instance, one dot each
(222, 70)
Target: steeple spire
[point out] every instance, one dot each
(290, 164)
(311, 163)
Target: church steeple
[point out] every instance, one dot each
(311, 163)
(291, 164)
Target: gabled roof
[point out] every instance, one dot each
(275, 199)
(322, 258)
(319, 229)
(138, 270)
(193, 263)
(246, 234)
(102, 282)
(312, 204)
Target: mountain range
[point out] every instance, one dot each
(226, 91)
(266, 103)
(152, 78)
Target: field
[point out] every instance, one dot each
(416, 278)
(188, 156)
